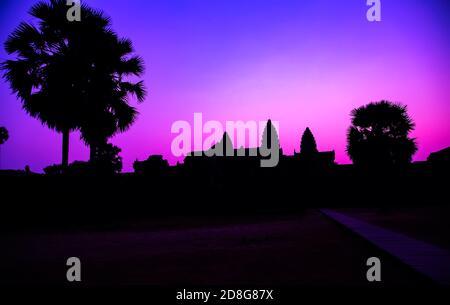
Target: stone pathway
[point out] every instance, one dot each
(425, 258)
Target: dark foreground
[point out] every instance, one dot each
(32, 202)
(306, 249)
(182, 231)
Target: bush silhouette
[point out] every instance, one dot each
(108, 160)
(379, 135)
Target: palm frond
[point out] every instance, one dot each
(136, 89)
(17, 73)
(24, 40)
(132, 66)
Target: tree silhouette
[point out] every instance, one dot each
(108, 91)
(4, 135)
(379, 135)
(107, 160)
(54, 63)
(308, 146)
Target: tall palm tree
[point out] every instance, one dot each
(52, 61)
(108, 90)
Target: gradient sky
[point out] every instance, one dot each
(302, 63)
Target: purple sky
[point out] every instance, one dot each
(302, 63)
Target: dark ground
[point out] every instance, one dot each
(180, 230)
(306, 249)
(429, 224)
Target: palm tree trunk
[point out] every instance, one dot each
(65, 148)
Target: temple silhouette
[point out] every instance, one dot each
(224, 157)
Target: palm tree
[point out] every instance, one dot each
(108, 91)
(51, 65)
(379, 135)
